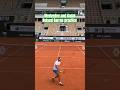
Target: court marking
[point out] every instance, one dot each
(81, 51)
(112, 60)
(55, 56)
(59, 50)
(63, 68)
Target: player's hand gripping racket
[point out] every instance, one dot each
(62, 71)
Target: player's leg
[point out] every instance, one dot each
(56, 74)
(59, 79)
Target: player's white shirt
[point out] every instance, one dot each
(56, 64)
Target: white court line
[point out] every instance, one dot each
(112, 60)
(81, 51)
(59, 45)
(59, 51)
(55, 56)
(63, 68)
(38, 48)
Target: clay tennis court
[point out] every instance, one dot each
(102, 64)
(73, 58)
(16, 63)
(102, 60)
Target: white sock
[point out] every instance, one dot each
(60, 82)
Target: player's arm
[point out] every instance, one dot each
(57, 66)
(61, 67)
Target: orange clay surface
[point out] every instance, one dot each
(73, 63)
(16, 63)
(102, 64)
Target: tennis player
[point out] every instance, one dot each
(56, 70)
